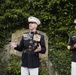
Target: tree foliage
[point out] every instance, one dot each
(56, 17)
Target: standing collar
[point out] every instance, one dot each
(34, 32)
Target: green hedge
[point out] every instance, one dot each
(14, 66)
(61, 61)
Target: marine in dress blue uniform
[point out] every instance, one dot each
(28, 45)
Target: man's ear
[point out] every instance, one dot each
(36, 26)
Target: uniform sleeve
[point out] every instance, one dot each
(70, 42)
(43, 47)
(20, 46)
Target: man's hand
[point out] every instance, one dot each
(38, 48)
(74, 45)
(13, 44)
(68, 47)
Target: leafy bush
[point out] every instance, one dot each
(61, 61)
(3, 62)
(14, 66)
(43, 69)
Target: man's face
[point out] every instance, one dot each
(32, 25)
